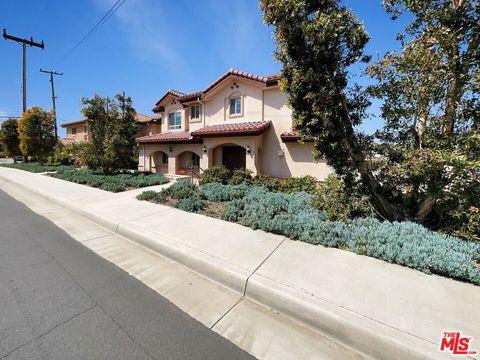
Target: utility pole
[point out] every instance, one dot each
(53, 97)
(24, 43)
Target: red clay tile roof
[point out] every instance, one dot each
(243, 128)
(292, 136)
(169, 92)
(191, 96)
(170, 137)
(71, 123)
(141, 118)
(267, 80)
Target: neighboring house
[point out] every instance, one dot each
(77, 131)
(241, 120)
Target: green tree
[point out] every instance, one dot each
(113, 128)
(9, 138)
(36, 130)
(430, 142)
(317, 42)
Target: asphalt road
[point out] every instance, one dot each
(59, 300)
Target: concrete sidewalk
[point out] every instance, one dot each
(379, 309)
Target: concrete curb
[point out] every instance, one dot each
(356, 331)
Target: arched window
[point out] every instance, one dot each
(175, 120)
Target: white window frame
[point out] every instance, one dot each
(174, 125)
(237, 110)
(198, 113)
(74, 131)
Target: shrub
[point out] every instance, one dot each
(218, 174)
(192, 204)
(241, 176)
(180, 190)
(36, 167)
(112, 186)
(70, 154)
(269, 182)
(114, 183)
(406, 243)
(307, 184)
(332, 198)
(148, 195)
(220, 192)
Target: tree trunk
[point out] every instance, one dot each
(386, 208)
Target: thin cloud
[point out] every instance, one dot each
(147, 35)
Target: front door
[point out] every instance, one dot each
(234, 157)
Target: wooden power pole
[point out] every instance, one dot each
(53, 97)
(24, 43)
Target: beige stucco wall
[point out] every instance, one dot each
(268, 154)
(80, 136)
(149, 155)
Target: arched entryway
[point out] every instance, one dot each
(184, 162)
(159, 162)
(231, 156)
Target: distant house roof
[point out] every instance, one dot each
(169, 137)
(71, 123)
(269, 80)
(141, 118)
(233, 129)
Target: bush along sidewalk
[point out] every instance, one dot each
(294, 216)
(114, 183)
(37, 167)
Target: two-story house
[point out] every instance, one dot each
(77, 131)
(241, 120)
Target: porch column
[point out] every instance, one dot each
(204, 159)
(251, 159)
(172, 163)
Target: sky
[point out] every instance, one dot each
(146, 48)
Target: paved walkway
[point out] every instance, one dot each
(58, 300)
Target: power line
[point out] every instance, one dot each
(99, 23)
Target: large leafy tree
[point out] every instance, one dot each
(317, 42)
(113, 128)
(9, 138)
(430, 88)
(36, 130)
(430, 141)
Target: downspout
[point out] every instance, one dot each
(203, 110)
(203, 115)
(144, 165)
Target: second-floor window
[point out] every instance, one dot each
(85, 130)
(235, 106)
(74, 131)
(174, 120)
(195, 112)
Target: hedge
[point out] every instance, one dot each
(113, 183)
(37, 167)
